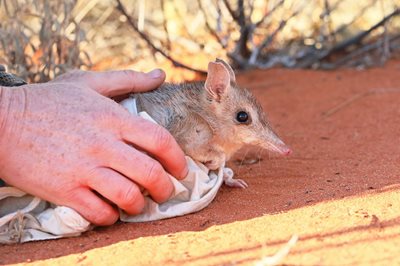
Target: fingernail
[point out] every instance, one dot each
(156, 73)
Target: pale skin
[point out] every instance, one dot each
(67, 142)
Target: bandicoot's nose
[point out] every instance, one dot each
(284, 150)
(273, 143)
(287, 152)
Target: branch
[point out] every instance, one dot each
(326, 16)
(268, 40)
(209, 28)
(360, 14)
(251, 8)
(231, 11)
(268, 14)
(131, 22)
(165, 26)
(241, 50)
(385, 38)
(359, 37)
(349, 42)
(331, 8)
(242, 16)
(365, 49)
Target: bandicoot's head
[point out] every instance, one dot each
(240, 116)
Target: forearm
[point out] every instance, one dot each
(12, 103)
(3, 108)
(3, 114)
(1, 123)
(5, 102)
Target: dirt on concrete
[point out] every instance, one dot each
(339, 192)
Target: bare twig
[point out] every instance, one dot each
(385, 54)
(349, 42)
(280, 255)
(181, 16)
(242, 16)
(246, 30)
(359, 37)
(328, 21)
(360, 14)
(209, 28)
(231, 11)
(269, 13)
(358, 52)
(251, 8)
(149, 42)
(357, 97)
(269, 39)
(141, 16)
(332, 7)
(165, 26)
(40, 52)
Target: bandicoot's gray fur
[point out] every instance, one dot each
(202, 116)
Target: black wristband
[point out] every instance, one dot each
(9, 80)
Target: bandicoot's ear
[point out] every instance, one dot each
(218, 81)
(229, 68)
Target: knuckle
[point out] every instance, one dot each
(163, 139)
(132, 200)
(99, 214)
(103, 216)
(154, 173)
(94, 210)
(165, 193)
(129, 73)
(72, 75)
(131, 76)
(97, 145)
(124, 156)
(111, 115)
(111, 112)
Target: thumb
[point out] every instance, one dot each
(114, 83)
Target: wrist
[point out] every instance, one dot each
(10, 103)
(4, 103)
(3, 109)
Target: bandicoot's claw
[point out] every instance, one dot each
(231, 182)
(238, 183)
(228, 173)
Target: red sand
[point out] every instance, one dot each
(339, 191)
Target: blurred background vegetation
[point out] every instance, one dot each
(40, 39)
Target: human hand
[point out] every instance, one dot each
(64, 142)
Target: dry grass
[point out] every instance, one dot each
(40, 39)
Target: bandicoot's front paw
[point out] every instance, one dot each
(232, 182)
(212, 164)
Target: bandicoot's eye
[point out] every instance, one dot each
(242, 117)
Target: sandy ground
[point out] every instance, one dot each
(339, 192)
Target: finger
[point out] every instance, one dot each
(141, 169)
(157, 141)
(114, 83)
(94, 209)
(75, 75)
(117, 189)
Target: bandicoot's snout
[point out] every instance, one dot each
(273, 143)
(284, 150)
